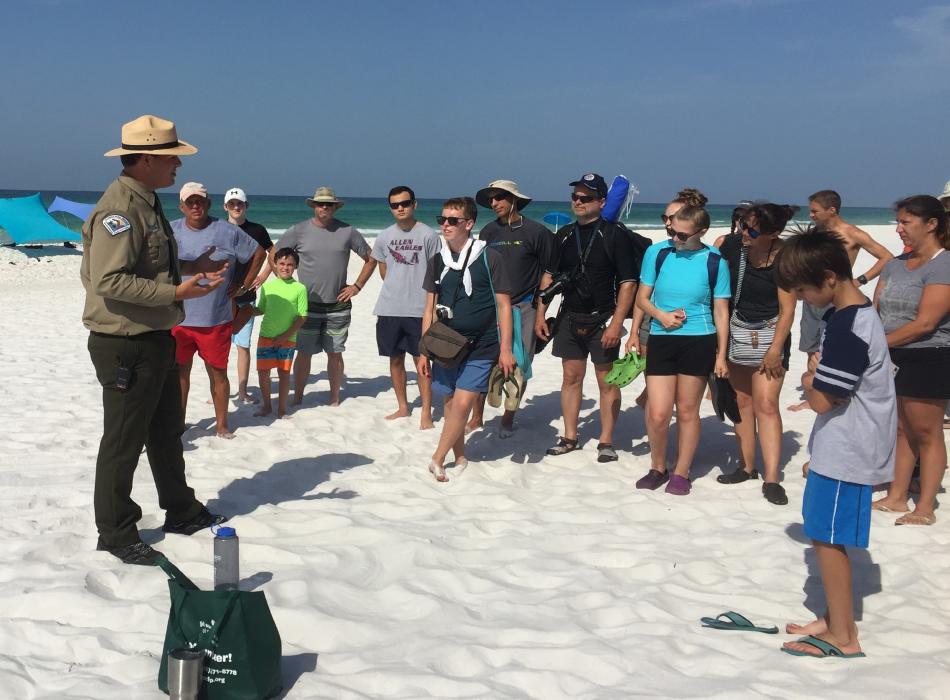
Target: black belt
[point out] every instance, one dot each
(144, 336)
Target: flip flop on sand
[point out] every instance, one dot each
(735, 621)
(884, 509)
(438, 471)
(916, 519)
(822, 646)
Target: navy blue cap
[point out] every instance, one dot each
(592, 181)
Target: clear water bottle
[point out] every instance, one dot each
(226, 562)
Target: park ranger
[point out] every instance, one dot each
(132, 277)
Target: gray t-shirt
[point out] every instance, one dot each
(900, 296)
(231, 244)
(324, 255)
(854, 441)
(405, 254)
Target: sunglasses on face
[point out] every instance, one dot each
(679, 235)
(499, 197)
(450, 220)
(405, 203)
(323, 205)
(583, 198)
(748, 229)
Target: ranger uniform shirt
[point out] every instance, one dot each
(129, 263)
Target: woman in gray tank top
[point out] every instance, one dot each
(913, 298)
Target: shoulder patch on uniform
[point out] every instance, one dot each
(116, 224)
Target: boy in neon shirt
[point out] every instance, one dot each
(283, 304)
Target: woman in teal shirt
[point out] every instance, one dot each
(685, 288)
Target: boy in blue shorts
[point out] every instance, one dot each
(283, 304)
(850, 385)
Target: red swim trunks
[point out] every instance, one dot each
(212, 343)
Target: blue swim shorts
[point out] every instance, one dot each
(836, 512)
(243, 337)
(471, 375)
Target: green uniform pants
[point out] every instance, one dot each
(147, 413)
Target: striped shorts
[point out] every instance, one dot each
(271, 355)
(324, 331)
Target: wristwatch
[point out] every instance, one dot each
(863, 279)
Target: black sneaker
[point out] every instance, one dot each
(137, 553)
(737, 477)
(204, 519)
(774, 493)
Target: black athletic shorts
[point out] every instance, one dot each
(694, 355)
(568, 346)
(396, 335)
(922, 373)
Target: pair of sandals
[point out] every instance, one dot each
(605, 450)
(773, 491)
(506, 390)
(734, 621)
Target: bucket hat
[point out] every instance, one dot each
(510, 186)
(152, 135)
(323, 195)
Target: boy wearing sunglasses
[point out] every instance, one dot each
(402, 251)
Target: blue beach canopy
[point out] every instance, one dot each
(80, 210)
(26, 220)
(557, 219)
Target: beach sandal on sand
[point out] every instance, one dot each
(734, 621)
(606, 452)
(825, 648)
(563, 446)
(916, 519)
(438, 471)
(625, 370)
(884, 509)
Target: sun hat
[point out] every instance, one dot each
(323, 195)
(235, 193)
(509, 186)
(946, 191)
(592, 181)
(189, 189)
(153, 135)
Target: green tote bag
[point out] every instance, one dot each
(236, 632)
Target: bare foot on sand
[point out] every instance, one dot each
(246, 399)
(438, 471)
(425, 423)
(799, 406)
(473, 425)
(225, 434)
(815, 627)
(263, 411)
(283, 416)
(400, 413)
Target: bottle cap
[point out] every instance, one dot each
(225, 532)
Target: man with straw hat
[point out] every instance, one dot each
(526, 248)
(134, 292)
(324, 244)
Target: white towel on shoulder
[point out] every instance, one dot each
(446, 252)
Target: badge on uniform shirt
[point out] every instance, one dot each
(116, 224)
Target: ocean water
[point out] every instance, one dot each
(371, 214)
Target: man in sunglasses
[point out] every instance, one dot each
(526, 247)
(402, 251)
(324, 244)
(596, 266)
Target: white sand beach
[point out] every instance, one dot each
(526, 576)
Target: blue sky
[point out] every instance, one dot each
(741, 98)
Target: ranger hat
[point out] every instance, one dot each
(509, 186)
(323, 195)
(153, 135)
(592, 181)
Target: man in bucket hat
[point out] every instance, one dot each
(134, 293)
(526, 248)
(324, 244)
